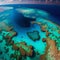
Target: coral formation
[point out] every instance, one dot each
(43, 28)
(21, 47)
(10, 35)
(5, 27)
(59, 31)
(44, 39)
(24, 49)
(33, 35)
(51, 52)
(48, 33)
(15, 49)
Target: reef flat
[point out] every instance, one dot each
(39, 41)
(33, 35)
(52, 52)
(21, 48)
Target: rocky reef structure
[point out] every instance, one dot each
(5, 27)
(10, 35)
(43, 27)
(33, 35)
(52, 40)
(20, 49)
(59, 31)
(51, 52)
(24, 49)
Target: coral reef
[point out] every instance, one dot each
(20, 48)
(10, 35)
(33, 35)
(24, 49)
(5, 27)
(51, 52)
(59, 31)
(44, 39)
(43, 27)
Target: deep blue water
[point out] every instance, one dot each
(54, 10)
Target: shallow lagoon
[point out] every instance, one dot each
(11, 16)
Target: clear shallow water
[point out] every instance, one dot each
(12, 17)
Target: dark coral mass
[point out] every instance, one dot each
(22, 21)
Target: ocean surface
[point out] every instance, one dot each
(20, 16)
(54, 10)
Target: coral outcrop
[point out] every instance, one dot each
(51, 52)
(33, 35)
(59, 31)
(21, 48)
(24, 49)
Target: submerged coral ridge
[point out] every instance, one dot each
(51, 52)
(33, 35)
(39, 41)
(21, 47)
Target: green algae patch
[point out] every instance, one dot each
(33, 35)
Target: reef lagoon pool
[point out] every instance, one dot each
(29, 32)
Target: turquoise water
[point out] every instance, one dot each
(36, 15)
